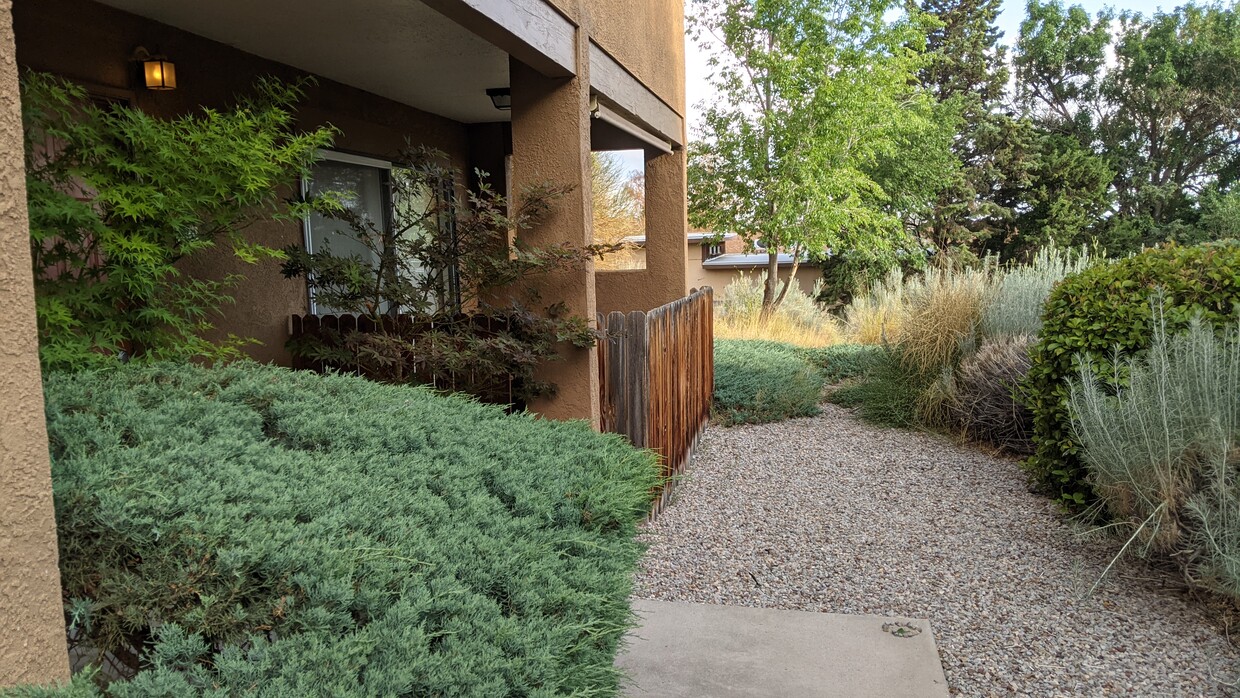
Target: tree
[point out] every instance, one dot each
(1164, 115)
(812, 96)
(618, 202)
(424, 298)
(967, 73)
(118, 197)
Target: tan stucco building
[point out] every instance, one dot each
(581, 75)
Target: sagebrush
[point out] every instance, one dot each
(1163, 454)
(1014, 307)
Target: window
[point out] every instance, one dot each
(364, 186)
(713, 251)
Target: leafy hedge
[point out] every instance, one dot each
(762, 381)
(1106, 309)
(257, 531)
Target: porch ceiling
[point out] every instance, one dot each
(400, 49)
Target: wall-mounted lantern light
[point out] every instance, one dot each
(501, 97)
(158, 73)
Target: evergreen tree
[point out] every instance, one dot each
(968, 75)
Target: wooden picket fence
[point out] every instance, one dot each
(657, 375)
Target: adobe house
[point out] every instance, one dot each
(524, 89)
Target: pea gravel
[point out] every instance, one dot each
(831, 514)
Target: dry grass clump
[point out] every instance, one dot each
(779, 329)
(798, 320)
(941, 316)
(876, 316)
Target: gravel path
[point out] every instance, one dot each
(831, 514)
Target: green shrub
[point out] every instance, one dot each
(126, 198)
(249, 530)
(843, 361)
(761, 381)
(1105, 311)
(1164, 455)
(80, 686)
(887, 393)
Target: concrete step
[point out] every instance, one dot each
(707, 651)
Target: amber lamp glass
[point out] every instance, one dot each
(160, 74)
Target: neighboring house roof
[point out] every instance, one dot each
(700, 236)
(691, 237)
(736, 260)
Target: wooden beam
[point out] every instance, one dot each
(532, 31)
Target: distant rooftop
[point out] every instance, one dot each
(737, 260)
(696, 236)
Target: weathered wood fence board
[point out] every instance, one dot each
(657, 375)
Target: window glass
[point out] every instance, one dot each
(361, 189)
(391, 199)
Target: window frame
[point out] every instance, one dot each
(385, 166)
(451, 276)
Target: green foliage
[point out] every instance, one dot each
(118, 198)
(887, 393)
(1163, 454)
(843, 361)
(757, 382)
(818, 107)
(425, 294)
(250, 530)
(82, 685)
(968, 74)
(1062, 195)
(1160, 116)
(1104, 312)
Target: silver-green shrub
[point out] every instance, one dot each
(1015, 306)
(1164, 453)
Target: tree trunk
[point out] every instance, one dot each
(792, 276)
(772, 285)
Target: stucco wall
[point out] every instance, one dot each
(645, 36)
(91, 43)
(662, 280)
(32, 631)
(551, 143)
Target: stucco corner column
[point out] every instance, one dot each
(666, 223)
(551, 143)
(32, 629)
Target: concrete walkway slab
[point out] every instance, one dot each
(706, 651)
